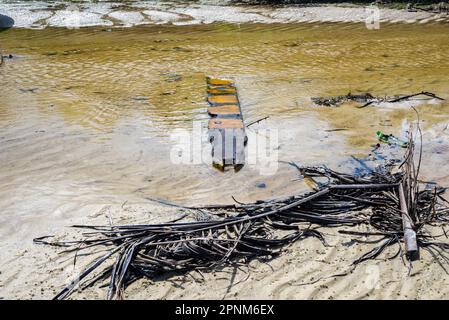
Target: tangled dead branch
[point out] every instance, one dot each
(391, 202)
(368, 99)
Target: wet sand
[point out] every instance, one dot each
(86, 118)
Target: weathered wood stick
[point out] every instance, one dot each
(429, 94)
(257, 121)
(392, 100)
(366, 104)
(271, 212)
(364, 186)
(411, 246)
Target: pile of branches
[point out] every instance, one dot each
(367, 99)
(338, 100)
(390, 201)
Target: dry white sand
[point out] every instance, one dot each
(37, 14)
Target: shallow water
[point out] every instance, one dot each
(87, 115)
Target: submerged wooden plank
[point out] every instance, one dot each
(216, 100)
(228, 147)
(214, 90)
(226, 129)
(225, 110)
(218, 82)
(223, 123)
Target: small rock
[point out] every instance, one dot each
(261, 185)
(182, 49)
(32, 90)
(140, 98)
(172, 77)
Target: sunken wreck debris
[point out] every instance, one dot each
(395, 207)
(226, 130)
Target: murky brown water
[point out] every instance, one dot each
(86, 115)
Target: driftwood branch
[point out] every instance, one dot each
(257, 121)
(367, 99)
(411, 246)
(425, 93)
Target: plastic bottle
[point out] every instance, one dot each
(390, 139)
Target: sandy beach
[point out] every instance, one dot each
(87, 116)
(303, 271)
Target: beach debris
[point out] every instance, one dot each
(172, 77)
(338, 100)
(181, 49)
(425, 93)
(28, 90)
(368, 99)
(410, 7)
(442, 7)
(390, 201)
(4, 57)
(391, 139)
(256, 121)
(401, 98)
(336, 130)
(439, 8)
(168, 93)
(226, 130)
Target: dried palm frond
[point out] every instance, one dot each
(264, 228)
